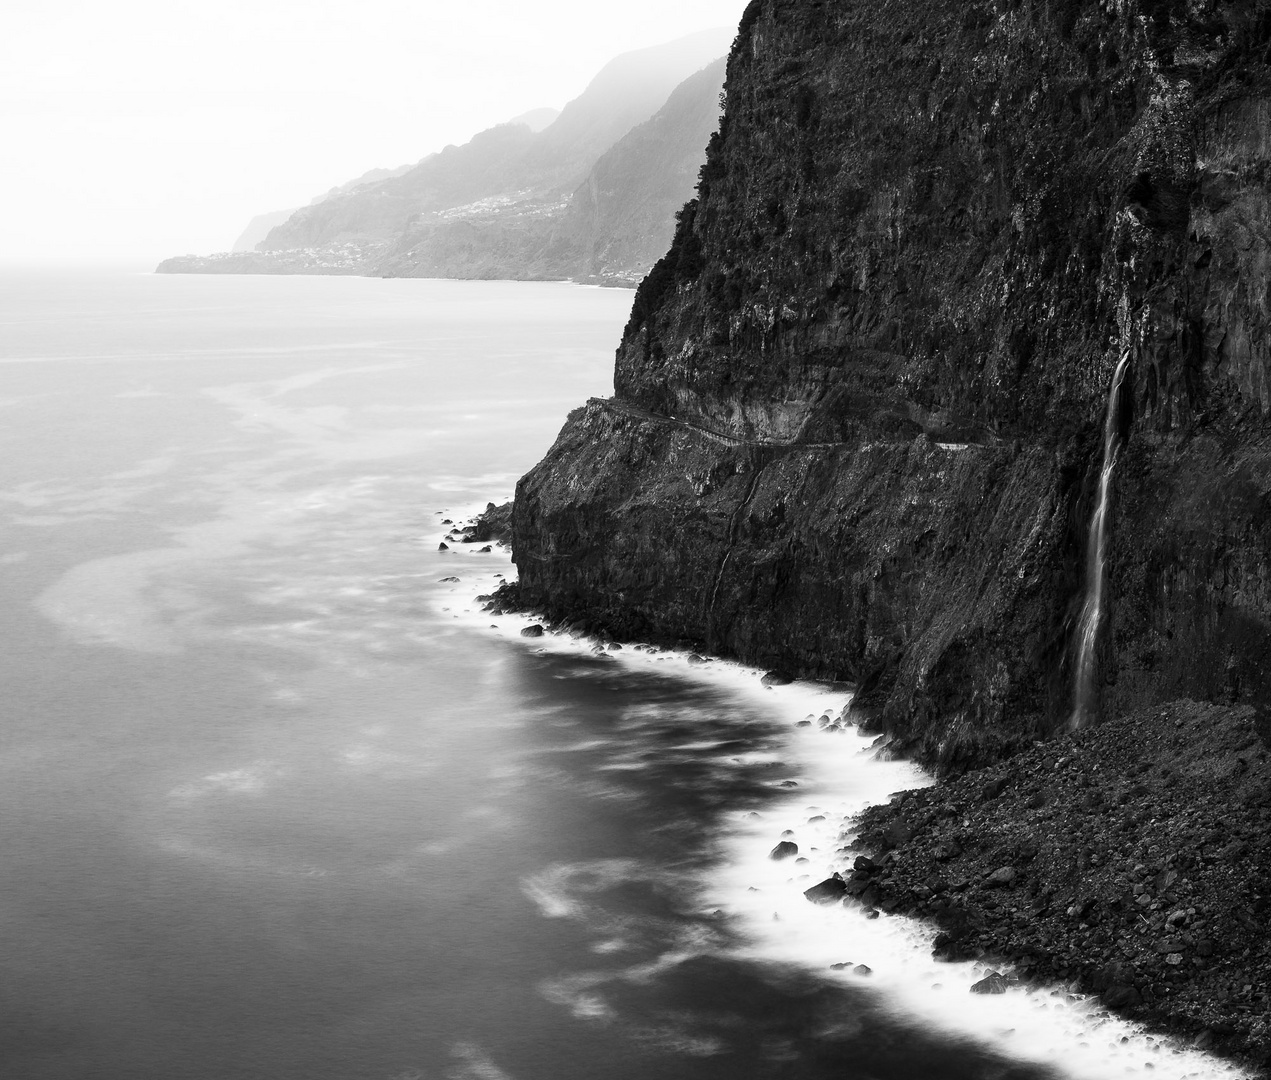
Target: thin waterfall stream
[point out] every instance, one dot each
(1096, 559)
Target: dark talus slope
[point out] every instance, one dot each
(1146, 880)
(857, 424)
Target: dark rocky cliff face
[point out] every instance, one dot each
(857, 424)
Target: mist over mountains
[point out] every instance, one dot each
(589, 193)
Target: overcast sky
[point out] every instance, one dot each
(135, 129)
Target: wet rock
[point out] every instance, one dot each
(857, 882)
(485, 550)
(777, 678)
(449, 580)
(784, 850)
(694, 659)
(533, 631)
(862, 969)
(828, 891)
(993, 983)
(443, 546)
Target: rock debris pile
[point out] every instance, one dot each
(1132, 861)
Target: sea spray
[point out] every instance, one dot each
(1083, 711)
(838, 773)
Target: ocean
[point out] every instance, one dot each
(279, 800)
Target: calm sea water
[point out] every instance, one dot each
(278, 801)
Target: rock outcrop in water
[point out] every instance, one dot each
(857, 429)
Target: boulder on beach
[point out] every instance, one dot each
(993, 983)
(443, 546)
(533, 631)
(776, 678)
(828, 891)
(784, 850)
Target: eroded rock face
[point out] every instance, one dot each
(856, 431)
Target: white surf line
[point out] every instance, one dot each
(1071, 1033)
(839, 773)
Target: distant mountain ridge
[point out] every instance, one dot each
(262, 224)
(516, 202)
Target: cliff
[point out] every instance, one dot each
(857, 430)
(621, 219)
(257, 229)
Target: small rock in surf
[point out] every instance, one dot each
(993, 983)
(784, 850)
(532, 631)
(826, 892)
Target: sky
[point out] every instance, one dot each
(131, 130)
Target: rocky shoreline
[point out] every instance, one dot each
(1131, 860)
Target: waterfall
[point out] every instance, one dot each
(1096, 558)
